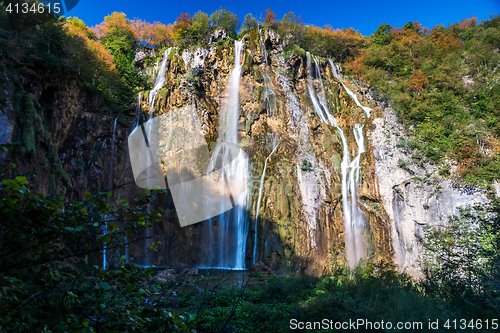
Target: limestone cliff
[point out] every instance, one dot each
(66, 141)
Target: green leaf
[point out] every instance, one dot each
(105, 285)
(129, 288)
(106, 238)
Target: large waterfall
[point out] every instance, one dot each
(230, 235)
(148, 259)
(350, 171)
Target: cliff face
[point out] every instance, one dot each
(301, 215)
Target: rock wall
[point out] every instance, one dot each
(301, 216)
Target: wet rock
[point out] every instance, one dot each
(261, 268)
(217, 35)
(189, 272)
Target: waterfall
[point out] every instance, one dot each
(353, 217)
(258, 202)
(159, 83)
(269, 95)
(104, 263)
(353, 95)
(112, 160)
(233, 226)
(357, 215)
(263, 47)
(160, 79)
(137, 112)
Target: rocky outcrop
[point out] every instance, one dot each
(413, 196)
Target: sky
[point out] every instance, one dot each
(364, 16)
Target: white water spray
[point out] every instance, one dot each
(353, 95)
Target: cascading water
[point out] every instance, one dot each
(258, 202)
(353, 95)
(160, 80)
(159, 83)
(353, 216)
(357, 221)
(263, 47)
(233, 226)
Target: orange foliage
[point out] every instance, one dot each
(445, 40)
(181, 25)
(356, 65)
(468, 22)
(418, 80)
(154, 34)
(80, 40)
(118, 20)
(270, 17)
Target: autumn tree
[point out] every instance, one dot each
(181, 32)
(270, 19)
(153, 34)
(117, 35)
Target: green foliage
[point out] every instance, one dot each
(404, 164)
(49, 280)
(382, 36)
(120, 41)
(443, 83)
(226, 20)
(306, 165)
(249, 22)
(462, 259)
(200, 26)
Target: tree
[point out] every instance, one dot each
(181, 32)
(270, 18)
(200, 26)
(383, 35)
(461, 259)
(226, 20)
(291, 26)
(117, 35)
(49, 252)
(249, 22)
(153, 34)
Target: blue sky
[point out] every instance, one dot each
(364, 16)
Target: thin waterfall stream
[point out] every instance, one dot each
(258, 202)
(350, 171)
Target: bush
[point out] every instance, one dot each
(49, 274)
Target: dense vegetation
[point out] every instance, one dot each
(443, 83)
